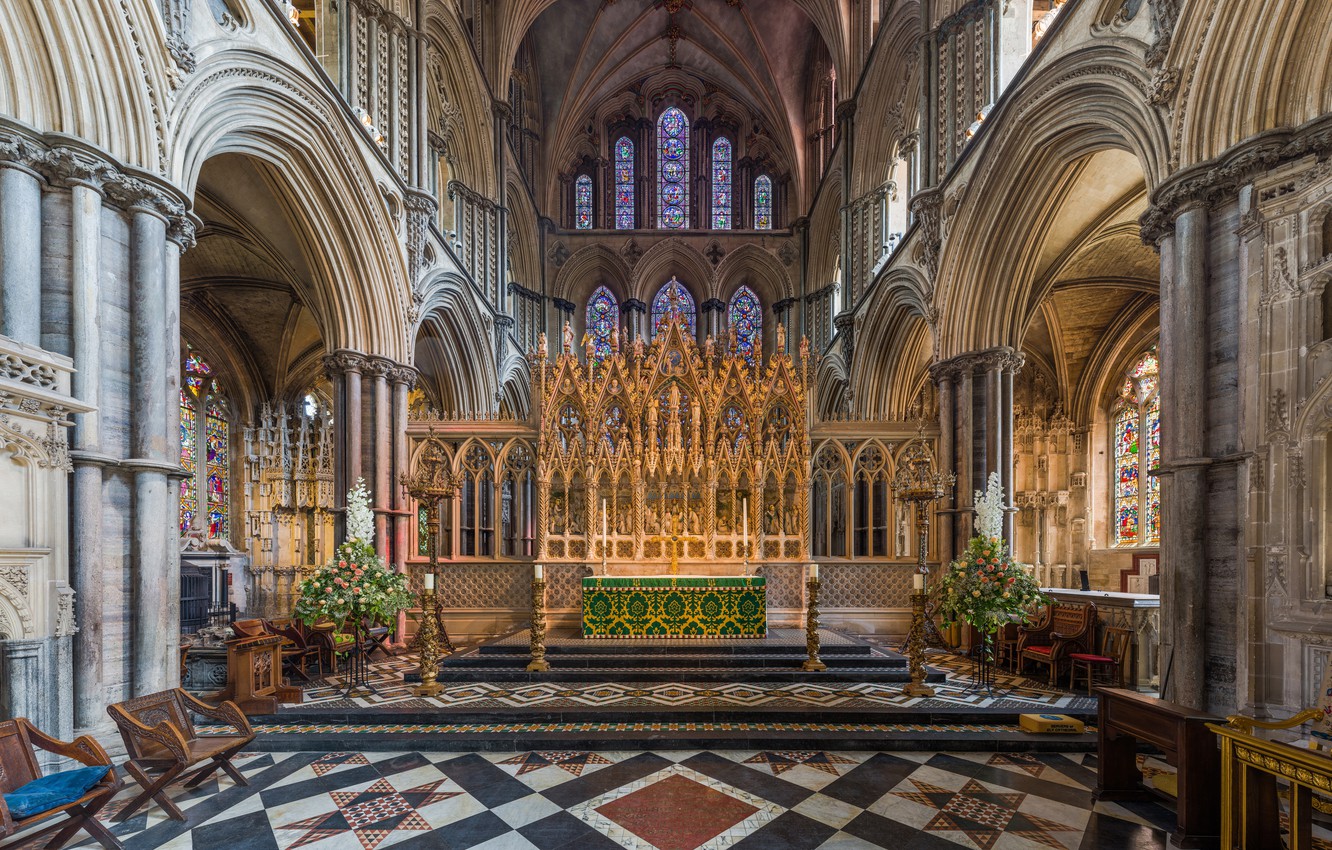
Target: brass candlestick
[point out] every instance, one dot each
(538, 664)
(916, 648)
(427, 646)
(812, 664)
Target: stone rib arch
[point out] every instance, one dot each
(673, 257)
(589, 268)
(894, 347)
(750, 264)
(457, 364)
(243, 102)
(1072, 109)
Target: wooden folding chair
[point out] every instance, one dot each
(161, 741)
(19, 768)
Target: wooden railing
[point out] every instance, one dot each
(1252, 771)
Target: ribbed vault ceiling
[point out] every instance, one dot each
(762, 52)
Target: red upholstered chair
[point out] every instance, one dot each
(1067, 629)
(1116, 644)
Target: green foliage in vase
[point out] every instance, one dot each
(355, 584)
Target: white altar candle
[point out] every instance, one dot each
(429, 581)
(744, 515)
(918, 581)
(814, 571)
(538, 572)
(605, 528)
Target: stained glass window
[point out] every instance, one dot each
(763, 203)
(721, 184)
(583, 202)
(603, 314)
(1137, 450)
(673, 291)
(218, 452)
(189, 494)
(624, 184)
(746, 316)
(673, 174)
(205, 451)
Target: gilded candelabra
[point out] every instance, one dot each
(431, 483)
(427, 646)
(538, 664)
(812, 663)
(917, 481)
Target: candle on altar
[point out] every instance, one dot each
(814, 571)
(918, 581)
(744, 515)
(429, 581)
(605, 528)
(538, 572)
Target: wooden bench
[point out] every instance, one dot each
(161, 740)
(18, 768)
(1182, 734)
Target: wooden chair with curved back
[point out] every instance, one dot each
(1068, 628)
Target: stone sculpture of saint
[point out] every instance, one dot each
(541, 344)
(568, 338)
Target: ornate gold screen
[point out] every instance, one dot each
(672, 436)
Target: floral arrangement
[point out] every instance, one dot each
(986, 587)
(355, 584)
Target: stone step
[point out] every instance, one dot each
(620, 674)
(779, 642)
(672, 661)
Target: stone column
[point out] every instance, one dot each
(564, 312)
(87, 455)
(402, 379)
(635, 313)
(1012, 364)
(947, 461)
(21, 252)
(966, 456)
(156, 599)
(344, 370)
(1183, 431)
(714, 319)
(378, 370)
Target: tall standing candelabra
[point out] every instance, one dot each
(813, 664)
(537, 645)
(918, 482)
(428, 485)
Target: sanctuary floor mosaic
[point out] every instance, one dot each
(1011, 693)
(687, 800)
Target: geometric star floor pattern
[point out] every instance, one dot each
(699, 800)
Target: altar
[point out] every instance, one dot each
(675, 607)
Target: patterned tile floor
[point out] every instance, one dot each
(1011, 693)
(700, 800)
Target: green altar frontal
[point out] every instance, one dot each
(675, 607)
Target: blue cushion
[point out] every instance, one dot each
(54, 791)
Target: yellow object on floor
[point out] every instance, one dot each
(1058, 724)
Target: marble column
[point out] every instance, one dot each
(352, 420)
(21, 252)
(180, 237)
(1183, 432)
(378, 370)
(966, 456)
(156, 598)
(1006, 440)
(402, 378)
(87, 455)
(714, 319)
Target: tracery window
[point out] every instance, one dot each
(205, 451)
(583, 202)
(721, 184)
(673, 171)
(1136, 449)
(624, 184)
(603, 314)
(746, 316)
(763, 202)
(673, 292)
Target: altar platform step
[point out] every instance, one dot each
(776, 659)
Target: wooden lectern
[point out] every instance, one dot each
(254, 675)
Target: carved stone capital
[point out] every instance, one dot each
(343, 361)
(403, 375)
(377, 367)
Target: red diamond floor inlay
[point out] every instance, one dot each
(677, 813)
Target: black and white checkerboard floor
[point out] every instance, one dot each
(669, 801)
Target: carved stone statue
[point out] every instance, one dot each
(709, 349)
(615, 340)
(638, 348)
(568, 338)
(541, 344)
(781, 337)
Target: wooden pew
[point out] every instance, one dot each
(1128, 718)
